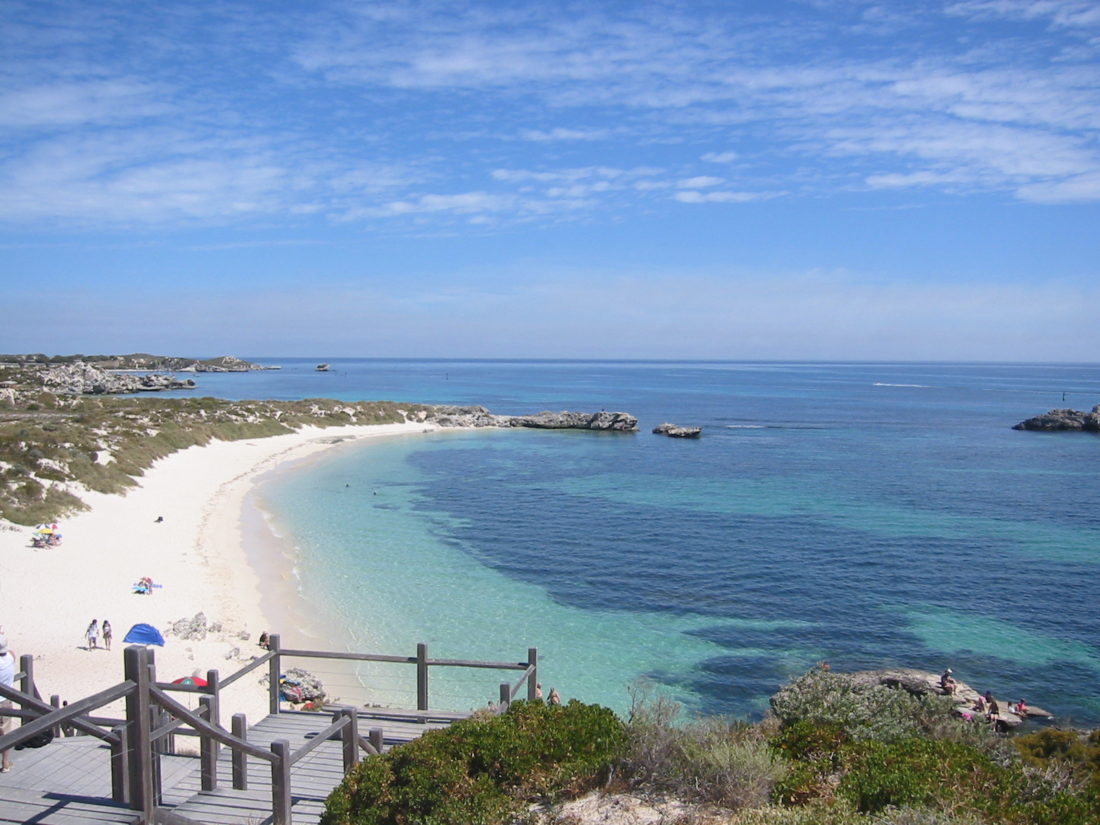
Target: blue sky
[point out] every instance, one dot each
(802, 179)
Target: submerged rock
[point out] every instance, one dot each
(1064, 421)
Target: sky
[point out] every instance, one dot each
(784, 179)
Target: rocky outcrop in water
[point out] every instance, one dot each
(674, 431)
(565, 420)
(923, 683)
(79, 378)
(1064, 420)
(446, 416)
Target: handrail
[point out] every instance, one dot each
(213, 731)
(244, 671)
(56, 716)
(172, 727)
(411, 660)
(522, 679)
(320, 739)
(88, 724)
(361, 657)
(366, 745)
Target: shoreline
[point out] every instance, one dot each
(202, 555)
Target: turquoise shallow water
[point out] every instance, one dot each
(867, 514)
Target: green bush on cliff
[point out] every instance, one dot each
(481, 770)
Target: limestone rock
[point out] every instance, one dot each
(79, 378)
(194, 628)
(450, 416)
(1064, 420)
(675, 431)
(566, 420)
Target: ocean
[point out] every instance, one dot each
(869, 515)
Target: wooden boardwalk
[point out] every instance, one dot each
(69, 781)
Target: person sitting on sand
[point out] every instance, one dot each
(265, 641)
(92, 635)
(948, 683)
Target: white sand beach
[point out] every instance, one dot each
(197, 555)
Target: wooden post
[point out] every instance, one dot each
(120, 769)
(55, 701)
(350, 736)
(533, 678)
(280, 783)
(421, 676)
(377, 739)
(213, 682)
(26, 684)
(240, 758)
(208, 751)
(273, 672)
(505, 696)
(136, 663)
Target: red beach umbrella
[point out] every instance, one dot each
(194, 681)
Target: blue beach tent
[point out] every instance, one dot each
(144, 634)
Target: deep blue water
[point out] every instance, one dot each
(865, 514)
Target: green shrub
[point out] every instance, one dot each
(921, 772)
(865, 711)
(711, 760)
(1074, 749)
(481, 770)
(814, 752)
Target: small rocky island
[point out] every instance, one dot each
(1064, 421)
(675, 431)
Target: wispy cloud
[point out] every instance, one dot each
(118, 113)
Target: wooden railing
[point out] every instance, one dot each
(508, 692)
(154, 718)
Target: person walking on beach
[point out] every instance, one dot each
(107, 634)
(92, 635)
(7, 678)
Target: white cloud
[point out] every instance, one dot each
(694, 196)
(78, 103)
(719, 157)
(1062, 13)
(700, 182)
(1076, 189)
(562, 134)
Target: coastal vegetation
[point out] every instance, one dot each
(832, 752)
(54, 446)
